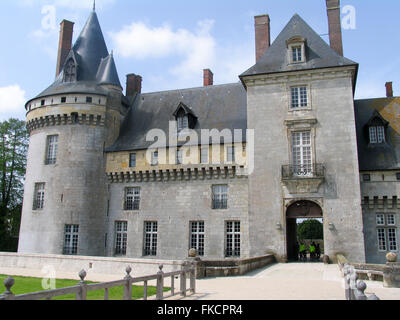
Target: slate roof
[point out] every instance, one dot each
(216, 107)
(318, 53)
(383, 156)
(95, 66)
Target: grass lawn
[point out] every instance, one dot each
(29, 285)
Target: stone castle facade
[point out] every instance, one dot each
(295, 145)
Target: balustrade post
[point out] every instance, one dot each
(193, 277)
(183, 280)
(83, 291)
(160, 283)
(359, 292)
(128, 284)
(8, 295)
(353, 285)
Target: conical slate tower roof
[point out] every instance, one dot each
(107, 73)
(90, 48)
(94, 65)
(318, 53)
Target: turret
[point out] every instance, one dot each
(70, 124)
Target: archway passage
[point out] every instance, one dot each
(298, 212)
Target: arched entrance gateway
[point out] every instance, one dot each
(297, 212)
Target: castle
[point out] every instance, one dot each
(294, 144)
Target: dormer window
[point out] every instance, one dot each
(377, 129)
(185, 118)
(297, 54)
(377, 134)
(183, 122)
(296, 50)
(70, 71)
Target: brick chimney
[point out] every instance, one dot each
(208, 77)
(263, 35)
(65, 43)
(389, 89)
(335, 27)
(133, 84)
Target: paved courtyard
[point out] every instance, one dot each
(292, 281)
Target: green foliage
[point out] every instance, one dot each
(14, 141)
(310, 229)
(30, 285)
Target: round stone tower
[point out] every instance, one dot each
(70, 125)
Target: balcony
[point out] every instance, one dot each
(303, 178)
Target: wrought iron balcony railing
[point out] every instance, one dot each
(303, 171)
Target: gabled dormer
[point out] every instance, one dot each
(185, 117)
(70, 69)
(377, 129)
(296, 50)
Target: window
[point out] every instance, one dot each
(390, 219)
(154, 158)
(38, 197)
(63, 99)
(70, 71)
(132, 199)
(301, 153)
(366, 177)
(232, 239)
(386, 232)
(204, 158)
(297, 54)
(71, 234)
(150, 238)
(392, 239)
(179, 156)
(377, 134)
(197, 236)
(220, 197)
(398, 176)
(89, 99)
(43, 102)
(183, 122)
(132, 160)
(381, 239)
(299, 97)
(121, 237)
(230, 154)
(380, 219)
(52, 148)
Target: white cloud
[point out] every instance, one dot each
(195, 49)
(12, 102)
(192, 52)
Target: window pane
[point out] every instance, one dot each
(132, 198)
(220, 197)
(392, 238)
(71, 239)
(52, 148)
(132, 160)
(391, 221)
(121, 237)
(197, 236)
(38, 201)
(372, 135)
(150, 239)
(232, 239)
(231, 154)
(381, 134)
(295, 97)
(380, 220)
(381, 239)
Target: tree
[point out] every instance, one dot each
(310, 229)
(13, 149)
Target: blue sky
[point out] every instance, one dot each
(169, 43)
